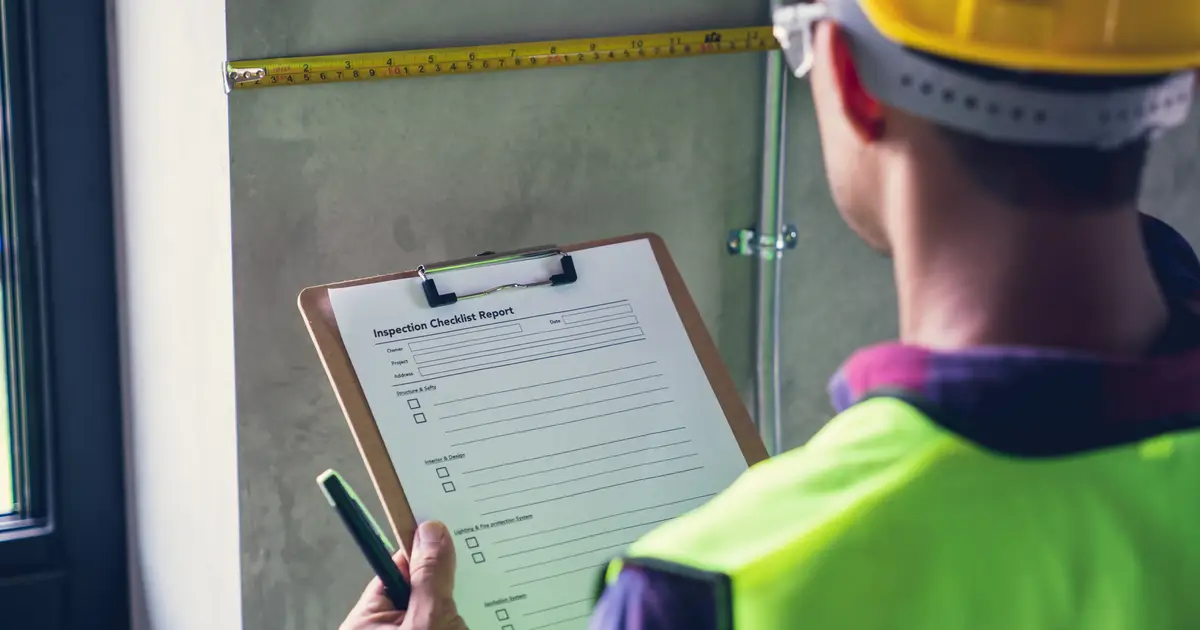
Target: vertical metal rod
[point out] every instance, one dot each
(767, 412)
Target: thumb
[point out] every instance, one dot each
(431, 564)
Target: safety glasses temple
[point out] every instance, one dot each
(794, 26)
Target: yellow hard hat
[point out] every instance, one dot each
(1157, 39)
(1054, 36)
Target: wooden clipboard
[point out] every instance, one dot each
(319, 318)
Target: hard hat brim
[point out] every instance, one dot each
(1009, 111)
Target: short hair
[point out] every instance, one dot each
(1024, 175)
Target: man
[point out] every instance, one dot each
(1028, 455)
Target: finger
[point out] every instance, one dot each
(374, 597)
(431, 566)
(372, 602)
(401, 560)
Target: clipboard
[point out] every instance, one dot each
(315, 307)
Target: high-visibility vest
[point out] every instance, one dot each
(886, 519)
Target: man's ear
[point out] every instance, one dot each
(864, 111)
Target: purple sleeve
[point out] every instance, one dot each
(1178, 270)
(644, 599)
(1173, 259)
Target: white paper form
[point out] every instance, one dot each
(547, 427)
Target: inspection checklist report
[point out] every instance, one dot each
(547, 427)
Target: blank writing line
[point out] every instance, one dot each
(554, 529)
(542, 413)
(560, 424)
(530, 358)
(578, 391)
(603, 472)
(607, 317)
(518, 347)
(560, 622)
(576, 494)
(567, 542)
(565, 380)
(590, 461)
(468, 342)
(590, 567)
(578, 601)
(573, 450)
(532, 334)
(574, 555)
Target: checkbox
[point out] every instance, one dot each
(502, 614)
(478, 558)
(443, 473)
(419, 417)
(472, 542)
(413, 403)
(448, 486)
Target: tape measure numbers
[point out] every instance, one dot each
(252, 74)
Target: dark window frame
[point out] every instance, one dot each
(68, 566)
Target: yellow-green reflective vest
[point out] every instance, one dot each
(887, 520)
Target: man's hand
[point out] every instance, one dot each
(431, 573)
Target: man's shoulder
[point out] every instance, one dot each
(870, 453)
(846, 515)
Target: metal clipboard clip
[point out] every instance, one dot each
(436, 299)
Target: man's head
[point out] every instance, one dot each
(964, 127)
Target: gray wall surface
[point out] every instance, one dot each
(336, 182)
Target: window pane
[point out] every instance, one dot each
(22, 473)
(8, 474)
(7, 498)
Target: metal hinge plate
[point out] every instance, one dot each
(748, 242)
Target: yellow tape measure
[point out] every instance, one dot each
(261, 73)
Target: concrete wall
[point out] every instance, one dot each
(1172, 184)
(335, 182)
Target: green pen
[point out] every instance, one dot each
(369, 536)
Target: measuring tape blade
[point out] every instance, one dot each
(260, 73)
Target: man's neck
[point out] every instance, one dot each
(972, 276)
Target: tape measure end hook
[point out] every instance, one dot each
(236, 76)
